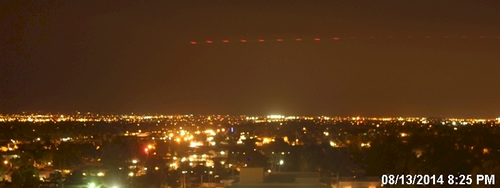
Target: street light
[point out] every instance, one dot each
(281, 163)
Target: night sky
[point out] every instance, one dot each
(128, 56)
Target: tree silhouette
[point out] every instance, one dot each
(25, 176)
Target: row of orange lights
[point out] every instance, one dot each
(260, 40)
(335, 38)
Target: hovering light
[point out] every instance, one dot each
(5, 162)
(279, 40)
(193, 42)
(100, 174)
(225, 41)
(261, 40)
(281, 162)
(316, 39)
(209, 41)
(134, 161)
(243, 40)
(335, 38)
(131, 174)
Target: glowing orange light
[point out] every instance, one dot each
(209, 41)
(335, 38)
(279, 40)
(243, 40)
(298, 39)
(225, 41)
(316, 39)
(193, 42)
(261, 40)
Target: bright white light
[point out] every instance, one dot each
(100, 174)
(332, 144)
(275, 116)
(134, 161)
(195, 144)
(91, 185)
(281, 162)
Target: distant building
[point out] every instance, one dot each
(256, 178)
(366, 182)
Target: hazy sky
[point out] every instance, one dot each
(130, 56)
